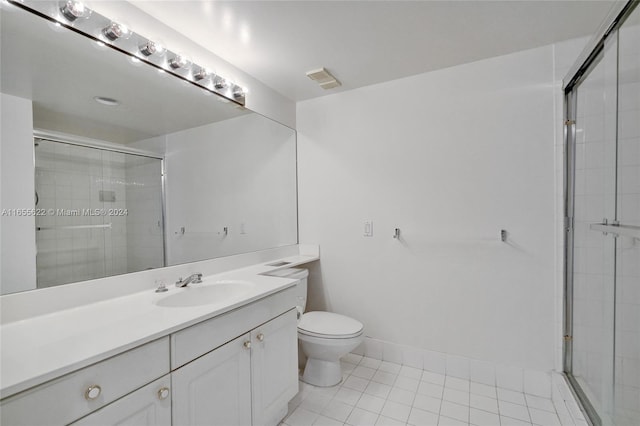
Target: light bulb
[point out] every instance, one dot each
(179, 62)
(238, 92)
(73, 10)
(220, 83)
(152, 47)
(115, 31)
(202, 74)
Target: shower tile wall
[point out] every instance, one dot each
(627, 351)
(70, 177)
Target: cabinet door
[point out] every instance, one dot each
(215, 389)
(148, 406)
(274, 368)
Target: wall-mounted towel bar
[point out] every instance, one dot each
(617, 230)
(51, 228)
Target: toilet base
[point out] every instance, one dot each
(319, 372)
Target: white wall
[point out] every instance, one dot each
(18, 249)
(450, 157)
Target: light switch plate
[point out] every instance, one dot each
(368, 228)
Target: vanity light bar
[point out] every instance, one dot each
(75, 15)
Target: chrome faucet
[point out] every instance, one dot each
(195, 279)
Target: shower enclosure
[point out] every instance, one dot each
(602, 315)
(99, 212)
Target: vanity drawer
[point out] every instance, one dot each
(77, 394)
(197, 340)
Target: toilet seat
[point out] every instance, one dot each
(328, 325)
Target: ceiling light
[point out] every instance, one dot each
(152, 47)
(179, 61)
(73, 10)
(324, 78)
(115, 31)
(106, 101)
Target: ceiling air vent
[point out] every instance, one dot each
(324, 78)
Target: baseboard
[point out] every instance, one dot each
(533, 382)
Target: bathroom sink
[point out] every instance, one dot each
(195, 295)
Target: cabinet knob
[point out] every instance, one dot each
(92, 392)
(163, 393)
(247, 344)
(260, 337)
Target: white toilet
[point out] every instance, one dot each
(325, 337)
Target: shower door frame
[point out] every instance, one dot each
(587, 60)
(108, 146)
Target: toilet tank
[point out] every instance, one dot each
(301, 287)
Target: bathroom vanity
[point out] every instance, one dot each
(225, 356)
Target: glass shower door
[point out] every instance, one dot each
(101, 213)
(594, 253)
(602, 357)
(70, 241)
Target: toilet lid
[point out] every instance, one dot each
(329, 325)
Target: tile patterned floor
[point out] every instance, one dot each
(376, 392)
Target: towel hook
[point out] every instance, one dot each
(396, 233)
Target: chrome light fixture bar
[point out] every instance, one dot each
(76, 16)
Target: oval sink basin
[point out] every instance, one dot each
(199, 294)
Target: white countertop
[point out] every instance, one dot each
(44, 347)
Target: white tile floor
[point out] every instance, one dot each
(376, 392)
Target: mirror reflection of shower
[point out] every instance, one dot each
(99, 212)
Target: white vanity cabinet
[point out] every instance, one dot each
(70, 397)
(215, 389)
(274, 368)
(148, 406)
(240, 368)
(248, 381)
(237, 368)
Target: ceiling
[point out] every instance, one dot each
(368, 42)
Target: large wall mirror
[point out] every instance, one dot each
(110, 166)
